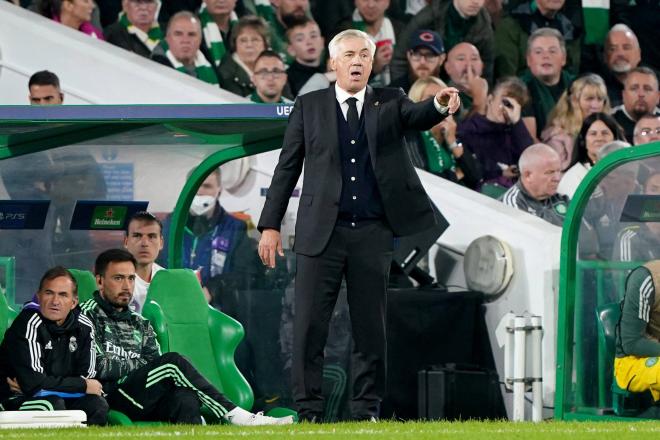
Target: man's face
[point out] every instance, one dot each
(460, 59)
(140, 13)
(622, 52)
(210, 186)
(45, 95)
(289, 11)
(469, 8)
(306, 43)
(144, 241)
(424, 62)
(220, 7)
(372, 10)
(249, 44)
(652, 186)
(542, 179)
(56, 299)
(647, 130)
(549, 7)
(640, 94)
(116, 285)
(353, 63)
(184, 38)
(269, 77)
(545, 59)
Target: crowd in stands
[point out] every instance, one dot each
(550, 71)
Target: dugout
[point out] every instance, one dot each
(611, 206)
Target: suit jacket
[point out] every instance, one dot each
(312, 137)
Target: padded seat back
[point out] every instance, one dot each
(185, 323)
(86, 284)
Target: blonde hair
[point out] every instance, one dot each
(417, 89)
(566, 113)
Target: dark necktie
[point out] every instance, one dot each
(352, 115)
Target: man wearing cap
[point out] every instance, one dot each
(425, 55)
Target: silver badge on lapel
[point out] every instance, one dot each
(376, 104)
(73, 344)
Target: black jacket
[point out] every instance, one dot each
(43, 356)
(312, 136)
(118, 35)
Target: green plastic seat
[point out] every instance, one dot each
(7, 314)
(624, 402)
(86, 284)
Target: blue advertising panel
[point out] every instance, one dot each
(23, 214)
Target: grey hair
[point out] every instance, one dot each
(546, 32)
(531, 155)
(611, 147)
(333, 46)
(620, 27)
(181, 15)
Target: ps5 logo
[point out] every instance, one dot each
(12, 216)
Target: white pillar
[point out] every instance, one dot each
(537, 369)
(519, 369)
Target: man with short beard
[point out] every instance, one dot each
(425, 55)
(269, 79)
(621, 54)
(640, 98)
(464, 67)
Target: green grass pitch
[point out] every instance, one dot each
(361, 431)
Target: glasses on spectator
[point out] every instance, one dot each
(275, 73)
(648, 132)
(428, 56)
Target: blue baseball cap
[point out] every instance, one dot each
(427, 38)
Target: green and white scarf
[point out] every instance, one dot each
(212, 35)
(265, 10)
(439, 158)
(150, 38)
(203, 69)
(386, 32)
(596, 20)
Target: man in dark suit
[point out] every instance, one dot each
(359, 191)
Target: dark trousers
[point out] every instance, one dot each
(363, 256)
(168, 389)
(94, 406)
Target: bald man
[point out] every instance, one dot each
(465, 69)
(536, 190)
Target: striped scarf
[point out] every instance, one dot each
(596, 20)
(213, 36)
(203, 69)
(439, 158)
(265, 10)
(149, 39)
(386, 32)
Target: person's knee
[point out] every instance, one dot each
(97, 410)
(175, 359)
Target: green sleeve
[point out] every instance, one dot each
(508, 61)
(637, 305)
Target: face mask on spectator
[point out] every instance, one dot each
(202, 205)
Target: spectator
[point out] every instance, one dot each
(218, 18)
(637, 338)
(597, 130)
(640, 98)
(269, 79)
(562, 142)
(44, 88)
(144, 240)
(137, 379)
(545, 79)
(455, 21)
(587, 95)
(498, 137)
(281, 15)
(249, 38)
(214, 241)
(47, 359)
(306, 49)
(536, 191)
(513, 31)
(136, 29)
(621, 55)
(647, 129)
(465, 69)
(369, 16)
(180, 49)
(425, 56)
(438, 150)
(643, 17)
(76, 14)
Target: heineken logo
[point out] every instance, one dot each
(108, 217)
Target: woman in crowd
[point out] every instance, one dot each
(248, 39)
(438, 150)
(76, 14)
(597, 130)
(498, 137)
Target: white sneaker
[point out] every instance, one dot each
(259, 419)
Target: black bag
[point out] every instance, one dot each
(459, 392)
